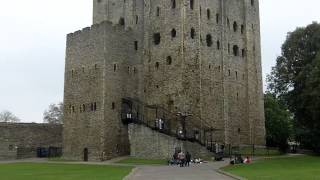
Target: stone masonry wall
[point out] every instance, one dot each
(146, 143)
(27, 138)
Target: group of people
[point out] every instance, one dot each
(239, 160)
(181, 159)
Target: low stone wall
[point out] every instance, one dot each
(21, 140)
(147, 143)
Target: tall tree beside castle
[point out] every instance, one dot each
(54, 114)
(296, 80)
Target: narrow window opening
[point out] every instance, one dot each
(121, 21)
(243, 52)
(156, 38)
(83, 108)
(173, 4)
(136, 45)
(193, 33)
(137, 19)
(252, 2)
(235, 27)
(218, 45)
(157, 65)
(158, 11)
(235, 50)
(95, 106)
(217, 18)
(208, 14)
(229, 72)
(173, 33)
(113, 106)
(209, 40)
(96, 66)
(114, 67)
(228, 48)
(191, 4)
(169, 60)
(91, 107)
(228, 23)
(242, 29)
(236, 75)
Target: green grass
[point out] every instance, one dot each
(293, 168)
(47, 171)
(260, 152)
(137, 161)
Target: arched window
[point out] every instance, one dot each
(193, 33)
(235, 50)
(173, 33)
(157, 65)
(209, 40)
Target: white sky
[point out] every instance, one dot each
(33, 36)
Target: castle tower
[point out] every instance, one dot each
(201, 57)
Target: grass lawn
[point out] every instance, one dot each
(138, 161)
(46, 171)
(293, 168)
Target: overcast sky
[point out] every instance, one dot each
(32, 45)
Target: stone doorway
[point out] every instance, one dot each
(85, 154)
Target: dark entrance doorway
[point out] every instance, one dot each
(85, 154)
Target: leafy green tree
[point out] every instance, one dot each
(278, 122)
(296, 81)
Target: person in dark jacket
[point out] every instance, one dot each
(188, 159)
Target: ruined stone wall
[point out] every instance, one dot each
(27, 137)
(101, 68)
(146, 143)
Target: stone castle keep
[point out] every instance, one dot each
(151, 61)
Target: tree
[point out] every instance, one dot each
(278, 122)
(54, 115)
(295, 80)
(8, 117)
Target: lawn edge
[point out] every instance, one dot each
(131, 174)
(230, 175)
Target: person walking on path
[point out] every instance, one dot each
(181, 157)
(188, 159)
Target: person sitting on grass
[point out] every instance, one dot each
(247, 160)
